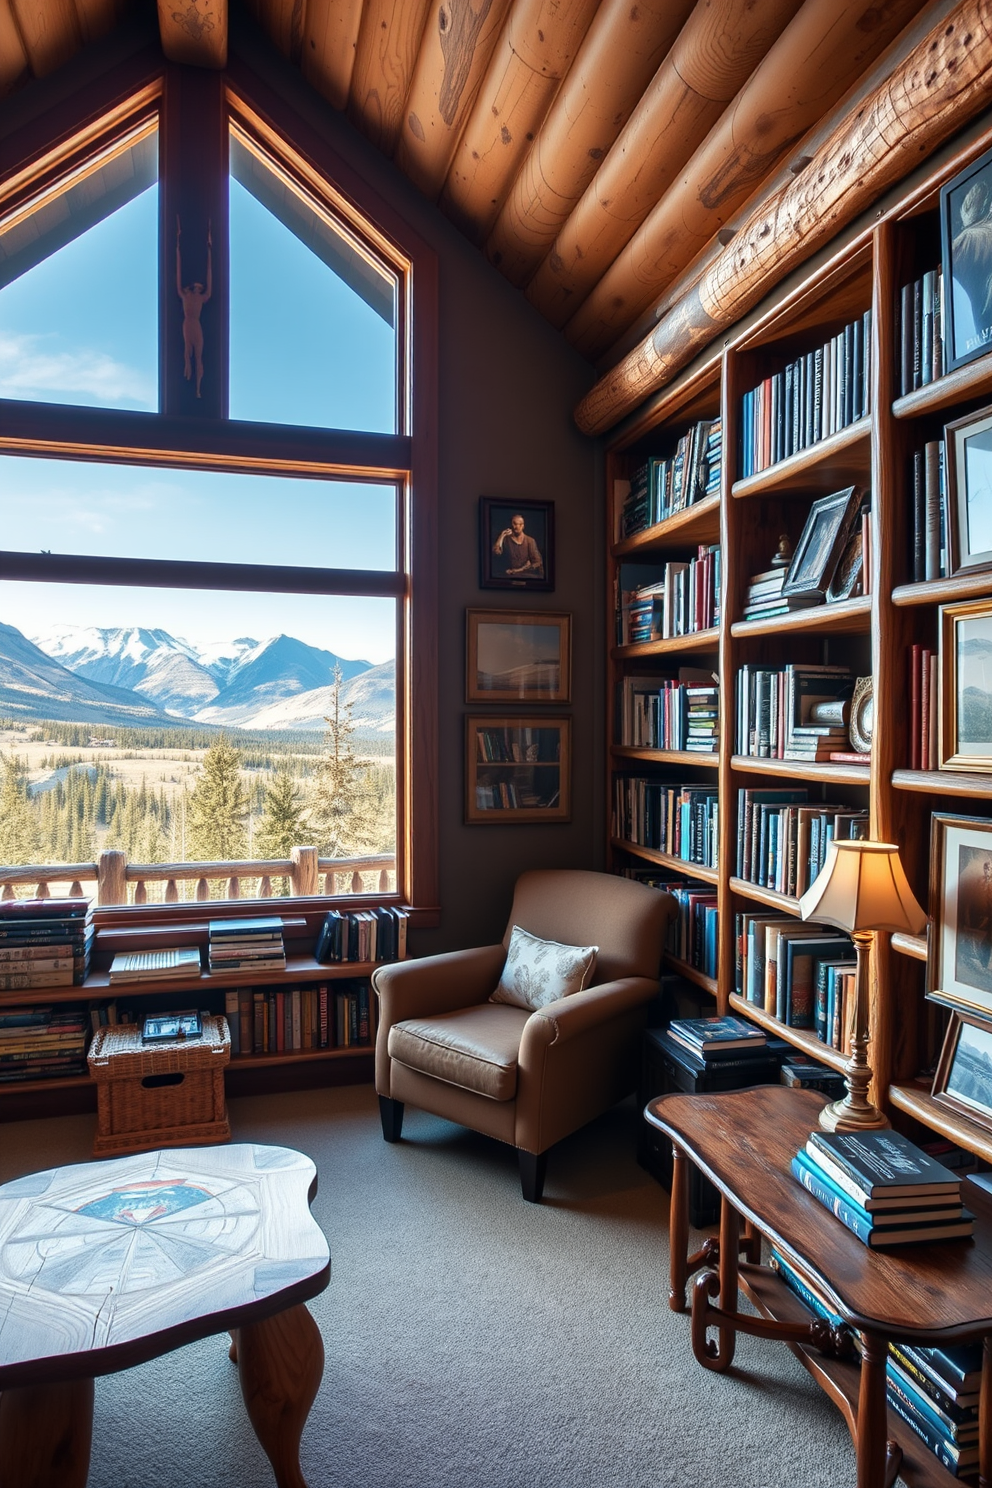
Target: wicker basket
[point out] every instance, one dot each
(169, 1094)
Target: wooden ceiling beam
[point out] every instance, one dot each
(930, 93)
(13, 54)
(458, 44)
(820, 54)
(49, 32)
(622, 50)
(388, 43)
(98, 17)
(330, 43)
(539, 41)
(715, 53)
(194, 32)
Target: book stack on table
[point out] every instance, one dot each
(714, 1040)
(883, 1188)
(41, 1043)
(936, 1391)
(246, 945)
(44, 943)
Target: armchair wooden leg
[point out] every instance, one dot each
(533, 1167)
(391, 1115)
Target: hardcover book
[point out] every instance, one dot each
(883, 1163)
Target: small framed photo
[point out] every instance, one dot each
(822, 543)
(959, 960)
(517, 770)
(517, 656)
(516, 544)
(965, 725)
(968, 449)
(965, 225)
(847, 581)
(964, 1070)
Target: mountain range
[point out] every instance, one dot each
(136, 675)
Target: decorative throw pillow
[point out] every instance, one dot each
(538, 972)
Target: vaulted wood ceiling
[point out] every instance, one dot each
(592, 150)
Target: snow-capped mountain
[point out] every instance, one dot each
(35, 685)
(154, 663)
(278, 668)
(372, 696)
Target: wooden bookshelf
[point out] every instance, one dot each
(829, 771)
(699, 523)
(845, 617)
(687, 758)
(697, 640)
(667, 860)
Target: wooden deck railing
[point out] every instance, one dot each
(116, 881)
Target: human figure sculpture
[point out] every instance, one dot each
(194, 297)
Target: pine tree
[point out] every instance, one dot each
(281, 828)
(218, 807)
(20, 835)
(337, 818)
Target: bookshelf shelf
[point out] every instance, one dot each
(292, 1056)
(298, 969)
(699, 523)
(943, 782)
(843, 459)
(771, 897)
(800, 1038)
(666, 860)
(940, 1118)
(844, 617)
(691, 973)
(665, 756)
(828, 771)
(967, 382)
(943, 591)
(697, 640)
(910, 945)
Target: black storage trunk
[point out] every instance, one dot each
(667, 1067)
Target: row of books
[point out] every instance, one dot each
(42, 1043)
(921, 335)
(692, 934)
(924, 703)
(802, 974)
(929, 529)
(254, 944)
(513, 795)
(270, 1020)
(363, 935)
(795, 712)
(520, 746)
(671, 712)
(44, 943)
(685, 600)
(810, 399)
(680, 820)
(782, 837)
(663, 486)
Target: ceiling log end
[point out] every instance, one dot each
(194, 32)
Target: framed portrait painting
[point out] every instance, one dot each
(966, 257)
(966, 686)
(959, 961)
(517, 656)
(968, 449)
(516, 544)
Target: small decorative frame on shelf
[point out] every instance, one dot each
(966, 687)
(968, 446)
(516, 544)
(964, 228)
(959, 961)
(517, 769)
(517, 656)
(822, 543)
(964, 1071)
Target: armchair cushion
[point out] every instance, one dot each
(475, 1048)
(539, 972)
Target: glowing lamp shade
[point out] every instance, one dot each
(862, 887)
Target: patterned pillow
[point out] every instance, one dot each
(538, 972)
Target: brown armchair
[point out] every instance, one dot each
(526, 1078)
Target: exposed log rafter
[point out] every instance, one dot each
(194, 32)
(388, 43)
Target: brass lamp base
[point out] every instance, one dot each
(856, 1112)
(842, 1116)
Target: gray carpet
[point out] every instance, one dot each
(472, 1340)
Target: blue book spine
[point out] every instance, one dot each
(851, 1215)
(948, 1455)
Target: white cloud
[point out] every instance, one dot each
(26, 367)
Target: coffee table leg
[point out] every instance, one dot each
(678, 1230)
(45, 1435)
(878, 1460)
(280, 1364)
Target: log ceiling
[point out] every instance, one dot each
(601, 153)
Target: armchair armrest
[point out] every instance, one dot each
(570, 1017)
(429, 985)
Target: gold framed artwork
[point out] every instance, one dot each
(517, 656)
(517, 769)
(966, 686)
(963, 1079)
(968, 449)
(959, 959)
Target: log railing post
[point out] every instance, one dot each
(305, 871)
(111, 877)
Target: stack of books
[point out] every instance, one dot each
(886, 1190)
(44, 943)
(936, 1391)
(765, 598)
(42, 1043)
(155, 966)
(810, 1074)
(711, 1040)
(363, 935)
(681, 713)
(246, 945)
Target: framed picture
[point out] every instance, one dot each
(964, 1071)
(965, 228)
(846, 581)
(822, 543)
(968, 449)
(517, 770)
(517, 656)
(966, 686)
(516, 544)
(959, 961)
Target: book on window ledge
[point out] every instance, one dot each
(155, 966)
(712, 1037)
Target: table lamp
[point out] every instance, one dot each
(861, 889)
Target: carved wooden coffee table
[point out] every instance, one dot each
(105, 1265)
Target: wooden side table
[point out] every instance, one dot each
(936, 1293)
(105, 1265)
